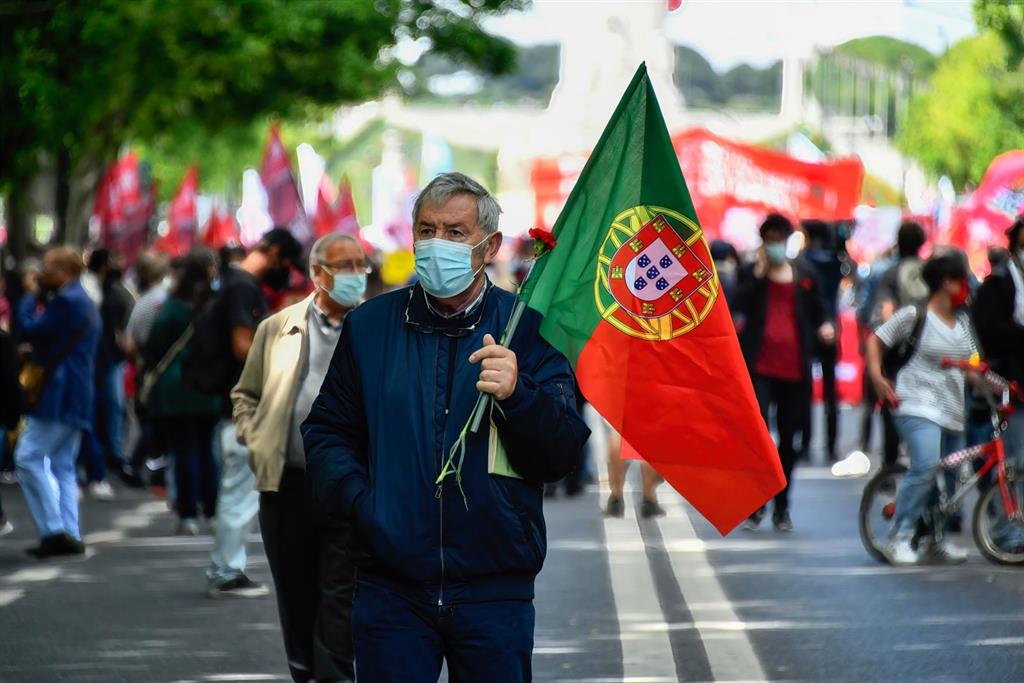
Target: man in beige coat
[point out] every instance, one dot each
(290, 354)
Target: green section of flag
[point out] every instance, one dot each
(633, 164)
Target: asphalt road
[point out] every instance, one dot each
(627, 599)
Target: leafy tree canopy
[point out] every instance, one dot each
(968, 115)
(891, 53)
(80, 78)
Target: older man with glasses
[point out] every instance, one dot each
(283, 372)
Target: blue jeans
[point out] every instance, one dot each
(45, 458)
(397, 639)
(238, 502)
(927, 443)
(110, 416)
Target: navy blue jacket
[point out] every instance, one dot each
(68, 396)
(397, 393)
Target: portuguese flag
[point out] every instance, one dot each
(630, 296)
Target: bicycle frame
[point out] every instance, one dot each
(994, 453)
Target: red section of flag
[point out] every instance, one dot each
(673, 5)
(123, 207)
(221, 230)
(346, 210)
(181, 217)
(672, 398)
(324, 220)
(283, 201)
(983, 219)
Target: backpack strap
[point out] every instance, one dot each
(920, 316)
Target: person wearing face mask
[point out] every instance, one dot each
(447, 547)
(785, 319)
(223, 333)
(727, 265)
(998, 313)
(929, 398)
(283, 372)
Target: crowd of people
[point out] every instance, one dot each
(268, 383)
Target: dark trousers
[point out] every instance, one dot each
(400, 640)
(890, 437)
(90, 457)
(313, 579)
(190, 439)
(790, 400)
(828, 356)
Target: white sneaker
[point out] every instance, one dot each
(188, 527)
(901, 552)
(856, 464)
(946, 552)
(101, 490)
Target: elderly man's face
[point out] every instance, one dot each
(456, 221)
(342, 256)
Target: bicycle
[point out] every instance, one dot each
(998, 523)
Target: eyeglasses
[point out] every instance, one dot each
(347, 267)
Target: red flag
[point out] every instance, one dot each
(221, 230)
(346, 211)
(983, 219)
(181, 217)
(324, 219)
(123, 207)
(283, 201)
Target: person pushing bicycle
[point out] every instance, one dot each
(928, 396)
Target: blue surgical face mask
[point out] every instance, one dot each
(445, 268)
(348, 289)
(776, 252)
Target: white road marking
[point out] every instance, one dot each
(9, 596)
(730, 659)
(648, 658)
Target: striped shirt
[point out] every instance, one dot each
(925, 388)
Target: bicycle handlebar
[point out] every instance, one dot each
(966, 364)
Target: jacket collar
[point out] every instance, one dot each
(418, 314)
(297, 317)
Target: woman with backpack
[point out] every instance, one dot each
(184, 417)
(928, 398)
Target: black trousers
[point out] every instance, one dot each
(313, 579)
(890, 437)
(828, 356)
(790, 400)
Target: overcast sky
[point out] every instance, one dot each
(728, 32)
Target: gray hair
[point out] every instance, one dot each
(319, 251)
(446, 185)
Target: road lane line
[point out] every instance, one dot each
(731, 659)
(646, 656)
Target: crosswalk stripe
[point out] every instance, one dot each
(731, 659)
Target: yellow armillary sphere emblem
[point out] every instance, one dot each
(655, 277)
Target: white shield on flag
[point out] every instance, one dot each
(653, 272)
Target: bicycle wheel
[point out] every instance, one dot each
(877, 507)
(999, 539)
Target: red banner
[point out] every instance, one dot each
(732, 185)
(981, 222)
(723, 175)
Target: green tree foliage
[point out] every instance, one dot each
(890, 53)
(963, 120)
(1005, 19)
(81, 78)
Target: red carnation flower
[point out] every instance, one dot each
(806, 283)
(543, 240)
